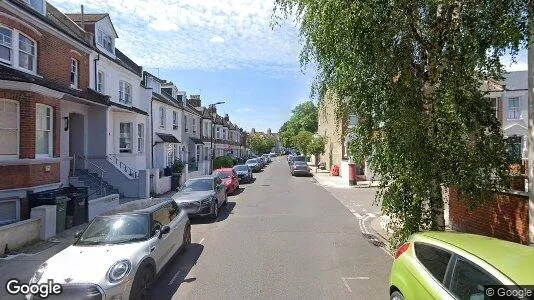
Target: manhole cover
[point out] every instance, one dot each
(371, 238)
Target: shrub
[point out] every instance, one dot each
(177, 166)
(223, 162)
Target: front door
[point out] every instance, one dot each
(76, 128)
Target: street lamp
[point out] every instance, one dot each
(212, 109)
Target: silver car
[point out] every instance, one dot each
(201, 197)
(119, 254)
(300, 168)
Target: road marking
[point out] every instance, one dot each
(345, 282)
(175, 277)
(371, 215)
(201, 241)
(357, 215)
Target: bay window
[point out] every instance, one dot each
(6, 46)
(44, 130)
(9, 128)
(125, 138)
(105, 41)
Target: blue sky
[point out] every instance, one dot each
(225, 50)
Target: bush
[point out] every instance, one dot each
(177, 166)
(223, 162)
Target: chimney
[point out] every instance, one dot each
(194, 100)
(82, 19)
(269, 131)
(226, 117)
(253, 131)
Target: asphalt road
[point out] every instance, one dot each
(281, 237)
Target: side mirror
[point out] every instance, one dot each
(164, 230)
(78, 234)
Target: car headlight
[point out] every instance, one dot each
(119, 270)
(39, 273)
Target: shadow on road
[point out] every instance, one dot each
(238, 191)
(224, 213)
(175, 273)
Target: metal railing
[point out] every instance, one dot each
(112, 158)
(97, 168)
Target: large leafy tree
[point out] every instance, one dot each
(302, 141)
(260, 143)
(303, 117)
(317, 146)
(412, 70)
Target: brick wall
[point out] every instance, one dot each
(21, 176)
(506, 218)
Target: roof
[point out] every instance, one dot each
(514, 260)
(196, 141)
(126, 62)
(89, 18)
(168, 138)
(138, 206)
(516, 80)
(167, 99)
(130, 108)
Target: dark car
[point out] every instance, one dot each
(254, 164)
(201, 197)
(300, 168)
(296, 158)
(244, 173)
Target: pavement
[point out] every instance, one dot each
(281, 237)
(325, 179)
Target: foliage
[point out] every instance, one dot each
(260, 144)
(303, 117)
(317, 145)
(177, 166)
(411, 71)
(223, 162)
(302, 141)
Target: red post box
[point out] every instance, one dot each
(352, 174)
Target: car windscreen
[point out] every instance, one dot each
(194, 185)
(300, 163)
(223, 175)
(298, 158)
(241, 168)
(118, 229)
(251, 161)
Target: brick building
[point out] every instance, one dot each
(44, 65)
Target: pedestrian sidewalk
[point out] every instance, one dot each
(325, 179)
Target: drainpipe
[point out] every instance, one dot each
(530, 133)
(96, 71)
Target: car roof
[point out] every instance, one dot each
(203, 177)
(224, 170)
(514, 260)
(240, 166)
(138, 206)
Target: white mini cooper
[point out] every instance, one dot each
(120, 253)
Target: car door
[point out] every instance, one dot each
(467, 280)
(235, 179)
(220, 190)
(178, 222)
(429, 273)
(162, 250)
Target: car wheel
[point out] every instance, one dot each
(396, 296)
(142, 284)
(187, 237)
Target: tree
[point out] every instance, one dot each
(411, 71)
(317, 146)
(302, 140)
(303, 117)
(260, 144)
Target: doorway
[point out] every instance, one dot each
(77, 139)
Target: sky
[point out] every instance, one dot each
(224, 50)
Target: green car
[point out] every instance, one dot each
(449, 265)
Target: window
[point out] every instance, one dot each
(27, 57)
(206, 151)
(44, 130)
(218, 134)
(125, 92)
(125, 138)
(6, 45)
(74, 73)
(100, 82)
(467, 279)
(205, 129)
(199, 152)
(495, 106)
(9, 128)
(514, 112)
(434, 259)
(161, 217)
(194, 125)
(38, 5)
(185, 124)
(105, 41)
(140, 138)
(515, 152)
(172, 152)
(162, 117)
(174, 120)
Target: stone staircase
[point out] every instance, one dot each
(96, 185)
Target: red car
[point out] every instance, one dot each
(229, 178)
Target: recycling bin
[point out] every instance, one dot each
(61, 213)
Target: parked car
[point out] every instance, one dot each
(262, 161)
(289, 158)
(244, 173)
(229, 179)
(267, 158)
(119, 254)
(300, 168)
(254, 164)
(202, 196)
(446, 265)
(295, 158)
(273, 154)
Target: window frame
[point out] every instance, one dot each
(74, 72)
(34, 60)
(194, 124)
(494, 103)
(140, 138)
(185, 123)
(43, 3)
(102, 38)
(514, 109)
(126, 150)
(100, 82)
(174, 120)
(162, 117)
(125, 92)
(17, 129)
(10, 47)
(51, 130)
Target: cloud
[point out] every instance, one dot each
(217, 39)
(245, 109)
(170, 34)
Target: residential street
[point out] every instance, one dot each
(281, 237)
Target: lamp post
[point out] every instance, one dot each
(212, 109)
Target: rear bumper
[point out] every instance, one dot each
(301, 172)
